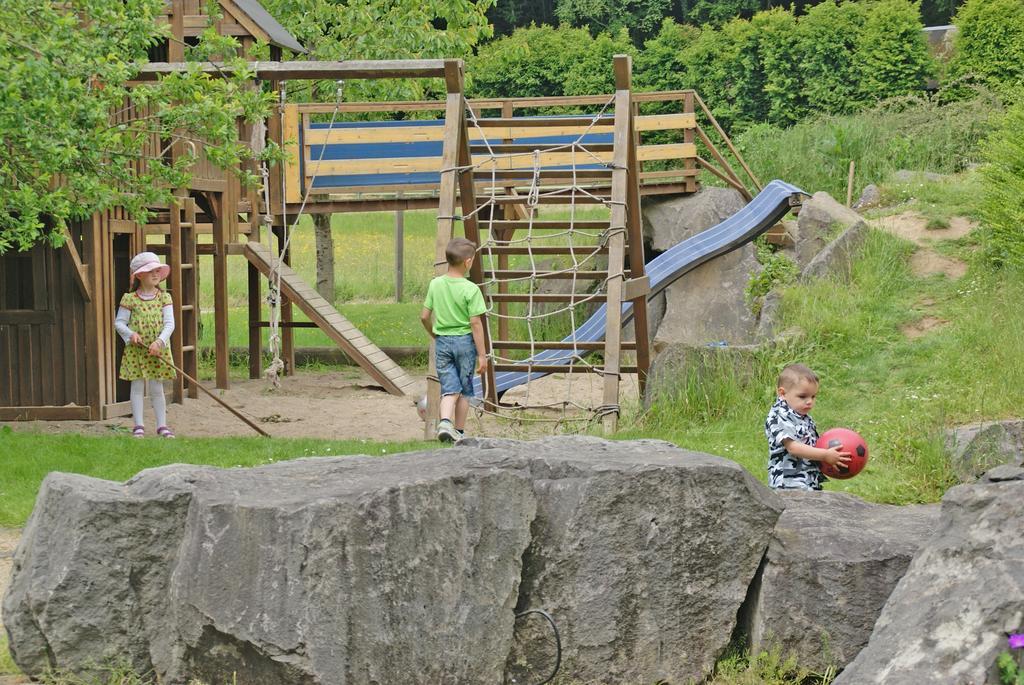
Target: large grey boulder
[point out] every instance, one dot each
(643, 557)
(978, 447)
(836, 259)
(668, 222)
(313, 571)
(400, 570)
(946, 621)
(821, 220)
(709, 303)
(831, 565)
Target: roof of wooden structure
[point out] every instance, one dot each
(275, 33)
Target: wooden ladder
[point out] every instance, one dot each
(182, 257)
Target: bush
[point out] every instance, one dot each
(542, 61)
(990, 43)
(1003, 199)
(662, 64)
(892, 54)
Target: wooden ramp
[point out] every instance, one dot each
(352, 342)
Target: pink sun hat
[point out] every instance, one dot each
(145, 262)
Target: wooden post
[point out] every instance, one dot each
(454, 116)
(849, 186)
(689, 164)
(617, 242)
(636, 259)
(399, 252)
(177, 296)
(255, 316)
(221, 209)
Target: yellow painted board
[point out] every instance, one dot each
(405, 165)
(665, 122)
(421, 134)
(290, 134)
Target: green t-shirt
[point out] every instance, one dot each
(454, 302)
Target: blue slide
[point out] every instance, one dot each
(760, 214)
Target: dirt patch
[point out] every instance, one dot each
(344, 405)
(926, 262)
(922, 327)
(913, 227)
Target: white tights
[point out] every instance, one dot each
(156, 397)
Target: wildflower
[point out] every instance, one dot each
(1016, 640)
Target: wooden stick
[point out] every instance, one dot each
(217, 399)
(849, 187)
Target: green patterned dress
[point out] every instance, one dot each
(147, 320)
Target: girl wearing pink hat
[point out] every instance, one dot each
(145, 321)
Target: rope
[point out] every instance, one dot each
(579, 255)
(276, 366)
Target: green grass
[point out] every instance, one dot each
(904, 134)
(7, 666)
(769, 667)
(29, 456)
(899, 394)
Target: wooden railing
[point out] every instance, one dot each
(404, 156)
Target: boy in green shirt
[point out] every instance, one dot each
(457, 306)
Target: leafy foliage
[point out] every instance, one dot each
(367, 29)
(990, 42)
(1003, 202)
(65, 155)
(545, 61)
(642, 17)
(892, 55)
(661, 64)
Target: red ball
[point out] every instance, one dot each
(847, 441)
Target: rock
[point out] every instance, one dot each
(768, 317)
(832, 563)
(908, 176)
(709, 303)
(312, 571)
(400, 570)
(668, 222)
(643, 555)
(836, 259)
(1004, 473)
(946, 621)
(975, 448)
(821, 220)
(871, 196)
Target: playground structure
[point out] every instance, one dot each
(490, 174)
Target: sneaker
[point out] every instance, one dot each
(446, 432)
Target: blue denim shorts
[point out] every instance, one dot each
(456, 364)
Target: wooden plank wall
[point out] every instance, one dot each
(41, 360)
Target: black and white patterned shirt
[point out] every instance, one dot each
(784, 469)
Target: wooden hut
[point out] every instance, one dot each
(59, 353)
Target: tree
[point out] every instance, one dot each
(542, 61)
(892, 54)
(63, 73)
(640, 17)
(661, 65)
(990, 43)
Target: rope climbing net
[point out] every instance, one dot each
(579, 244)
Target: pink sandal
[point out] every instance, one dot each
(164, 432)
(139, 432)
